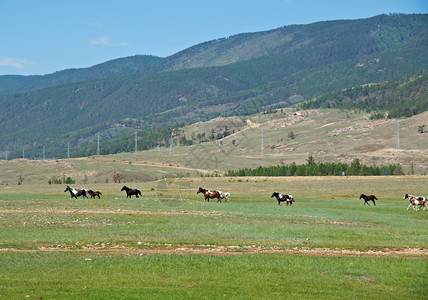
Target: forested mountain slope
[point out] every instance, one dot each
(324, 40)
(238, 75)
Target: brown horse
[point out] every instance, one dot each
(210, 194)
(94, 194)
(368, 198)
(416, 201)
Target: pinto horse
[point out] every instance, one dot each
(224, 196)
(94, 194)
(76, 193)
(288, 199)
(210, 194)
(130, 192)
(416, 201)
(368, 198)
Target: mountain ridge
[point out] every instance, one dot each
(218, 52)
(317, 59)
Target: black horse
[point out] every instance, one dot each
(130, 192)
(75, 193)
(288, 199)
(368, 198)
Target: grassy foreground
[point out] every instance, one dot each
(104, 276)
(172, 245)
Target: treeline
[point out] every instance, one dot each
(397, 98)
(320, 169)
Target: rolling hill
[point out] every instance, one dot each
(238, 75)
(329, 135)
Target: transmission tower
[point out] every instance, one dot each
(262, 146)
(98, 144)
(171, 146)
(136, 142)
(398, 135)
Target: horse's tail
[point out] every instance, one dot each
(139, 193)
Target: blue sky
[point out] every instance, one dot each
(43, 36)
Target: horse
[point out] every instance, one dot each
(368, 198)
(288, 199)
(224, 196)
(94, 194)
(130, 192)
(75, 193)
(416, 201)
(208, 194)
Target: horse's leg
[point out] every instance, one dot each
(374, 203)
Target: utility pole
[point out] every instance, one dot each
(136, 141)
(68, 150)
(98, 144)
(5, 157)
(23, 152)
(44, 152)
(262, 146)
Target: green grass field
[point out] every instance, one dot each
(171, 244)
